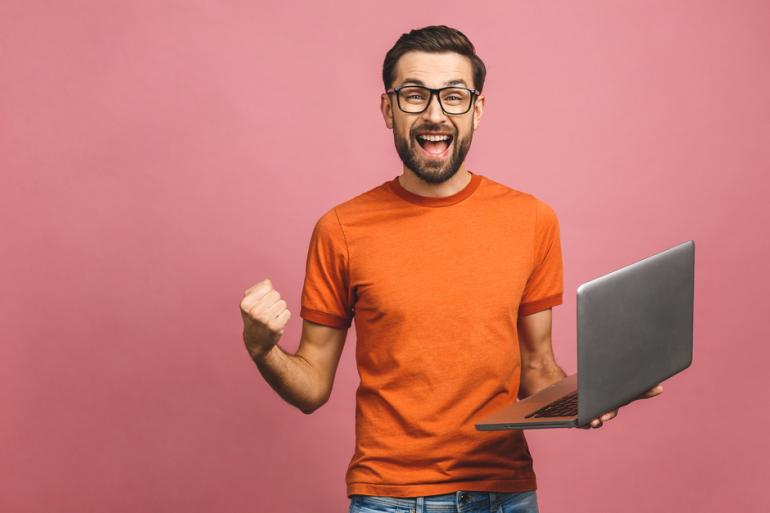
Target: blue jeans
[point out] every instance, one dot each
(456, 502)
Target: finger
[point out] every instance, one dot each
(254, 307)
(657, 389)
(267, 301)
(596, 423)
(609, 416)
(247, 303)
(263, 286)
(256, 297)
(279, 323)
(274, 310)
(253, 302)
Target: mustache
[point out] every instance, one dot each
(432, 128)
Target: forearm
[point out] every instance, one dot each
(536, 376)
(291, 376)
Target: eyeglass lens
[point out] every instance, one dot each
(414, 99)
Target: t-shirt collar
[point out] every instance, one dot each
(428, 201)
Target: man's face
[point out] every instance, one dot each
(433, 162)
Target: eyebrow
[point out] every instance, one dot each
(417, 81)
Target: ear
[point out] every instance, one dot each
(387, 110)
(478, 110)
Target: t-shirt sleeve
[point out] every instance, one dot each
(326, 294)
(545, 286)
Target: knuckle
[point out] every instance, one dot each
(253, 312)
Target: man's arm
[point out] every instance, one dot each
(538, 364)
(305, 379)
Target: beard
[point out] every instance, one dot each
(428, 169)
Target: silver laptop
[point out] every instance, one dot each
(634, 330)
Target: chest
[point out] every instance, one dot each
(472, 268)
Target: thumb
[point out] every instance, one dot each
(657, 389)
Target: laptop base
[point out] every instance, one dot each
(514, 416)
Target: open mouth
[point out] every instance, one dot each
(434, 144)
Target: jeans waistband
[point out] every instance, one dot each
(445, 503)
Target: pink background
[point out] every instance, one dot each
(160, 157)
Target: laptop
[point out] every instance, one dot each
(634, 330)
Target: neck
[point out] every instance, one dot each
(414, 184)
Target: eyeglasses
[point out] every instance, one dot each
(415, 99)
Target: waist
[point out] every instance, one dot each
(445, 503)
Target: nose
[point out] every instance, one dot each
(434, 113)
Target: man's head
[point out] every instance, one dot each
(433, 57)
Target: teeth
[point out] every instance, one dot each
(433, 138)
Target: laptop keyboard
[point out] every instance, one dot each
(564, 407)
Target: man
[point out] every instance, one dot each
(451, 278)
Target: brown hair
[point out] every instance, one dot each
(433, 39)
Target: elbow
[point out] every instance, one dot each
(318, 398)
(308, 409)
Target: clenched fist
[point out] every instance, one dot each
(264, 318)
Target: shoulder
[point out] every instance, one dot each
(535, 205)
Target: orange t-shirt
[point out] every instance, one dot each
(435, 286)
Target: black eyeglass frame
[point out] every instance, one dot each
(435, 92)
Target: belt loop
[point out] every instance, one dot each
(492, 502)
(420, 504)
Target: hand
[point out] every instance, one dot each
(264, 318)
(599, 421)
